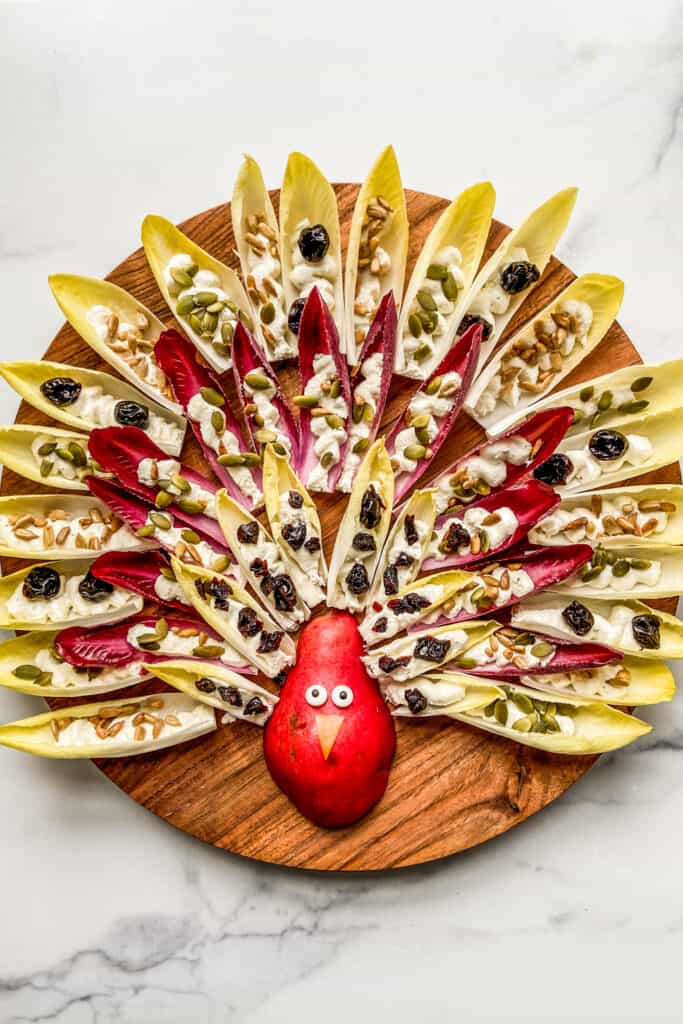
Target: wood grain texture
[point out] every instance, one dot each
(451, 786)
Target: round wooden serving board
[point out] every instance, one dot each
(451, 786)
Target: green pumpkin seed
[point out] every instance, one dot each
(335, 388)
(205, 298)
(78, 455)
(551, 723)
(167, 572)
(306, 402)
(415, 452)
(221, 563)
(47, 449)
(251, 458)
(357, 411)
(361, 445)
(258, 420)
(44, 679)
(221, 350)
(586, 394)
(208, 651)
(327, 460)
(188, 506)
(466, 663)
(433, 386)
(477, 594)
(640, 563)
(209, 323)
(525, 724)
(231, 459)
(149, 641)
(523, 702)
(145, 531)
(415, 325)
(267, 313)
(190, 537)
(489, 709)
(196, 323)
(422, 352)
(163, 499)
(246, 319)
(185, 305)
(500, 712)
(65, 454)
(227, 331)
(216, 307)
(45, 467)
(181, 277)
(257, 381)
(633, 407)
(541, 649)
(605, 401)
(26, 672)
(590, 574)
(577, 416)
(334, 422)
(181, 484)
(162, 629)
(426, 300)
(279, 449)
(621, 567)
(162, 521)
(264, 436)
(428, 320)
(437, 271)
(422, 436)
(640, 384)
(420, 421)
(218, 422)
(212, 397)
(449, 287)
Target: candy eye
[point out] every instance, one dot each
(342, 696)
(316, 696)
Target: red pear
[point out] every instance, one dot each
(330, 742)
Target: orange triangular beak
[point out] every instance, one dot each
(328, 726)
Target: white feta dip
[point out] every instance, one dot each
(269, 415)
(305, 276)
(528, 364)
(175, 643)
(276, 660)
(58, 466)
(621, 516)
(411, 664)
(66, 676)
(365, 399)
(431, 308)
(493, 300)
(502, 650)
(401, 555)
(98, 409)
(585, 468)
(496, 587)
(171, 538)
(637, 576)
(264, 286)
(151, 471)
(168, 590)
(489, 467)
(425, 410)
(437, 695)
(310, 561)
(69, 533)
(566, 725)
(330, 439)
(185, 713)
(398, 615)
(129, 342)
(68, 603)
(222, 442)
(601, 682)
(489, 531)
(210, 323)
(613, 628)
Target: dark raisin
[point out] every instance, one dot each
(42, 581)
(646, 631)
(269, 642)
(205, 685)
(281, 677)
(294, 499)
(371, 508)
(294, 315)
(469, 319)
(364, 542)
(295, 534)
(247, 533)
(518, 275)
(381, 625)
(357, 579)
(314, 243)
(255, 707)
(410, 530)
(578, 618)
(248, 622)
(389, 665)
(284, 594)
(312, 545)
(606, 445)
(231, 695)
(390, 580)
(61, 390)
(408, 605)
(131, 414)
(404, 560)
(456, 537)
(415, 700)
(93, 589)
(554, 470)
(259, 567)
(430, 649)
(267, 584)
(217, 589)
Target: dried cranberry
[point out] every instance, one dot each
(284, 594)
(294, 315)
(42, 581)
(312, 545)
(247, 533)
(259, 567)
(646, 631)
(294, 533)
(389, 665)
(314, 243)
(255, 707)
(518, 275)
(606, 445)
(408, 605)
(205, 685)
(415, 700)
(456, 537)
(218, 589)
(357, 579)
(269, 642)
(61, 390)
(371, 508)
(364, 542)
(404, 560)
(578, 618)
(231, 695)
(248, 622)
(381, 625)
(295, 500)
(554, 470)
(131, 414)
(469, 320)
(430, 649)
(410, 530)
(390, 580)
(93, 589)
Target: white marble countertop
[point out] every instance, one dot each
(111, 110)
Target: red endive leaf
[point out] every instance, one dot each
(135, 571)
(568, 657)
